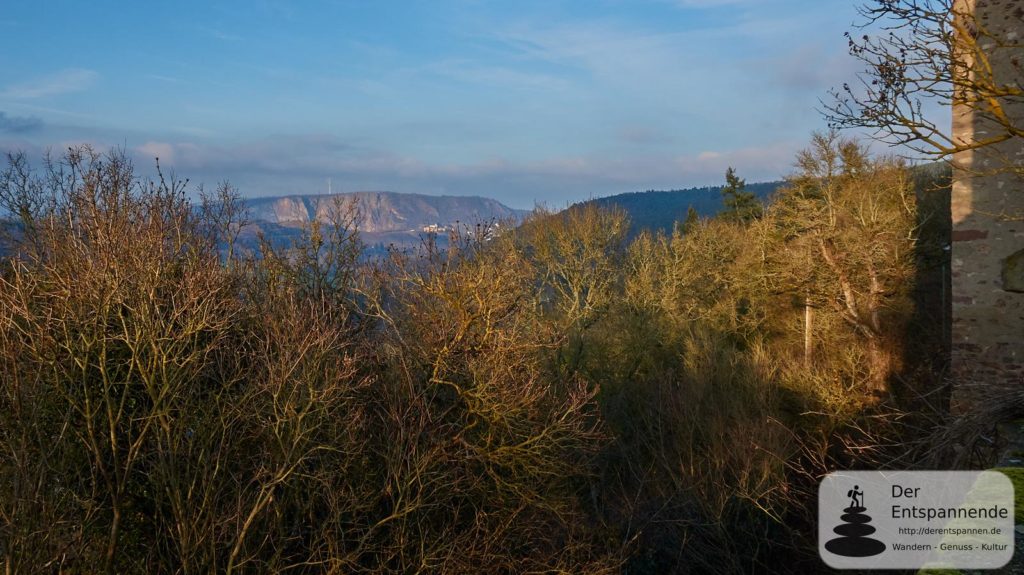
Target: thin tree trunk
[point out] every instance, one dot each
(849, 295)
(878, 357)
(112, 538)
(808, 332)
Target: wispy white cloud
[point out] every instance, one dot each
(62, 82)
(281, 154)
(162, 78)
(157, 150)
(219, 34)
(634, 57)
(299, 163)
(754, 163)
(558, 102)
(471, 72)
(612, 56)
(806, 67)
(611, 48)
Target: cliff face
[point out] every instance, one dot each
(380, 212)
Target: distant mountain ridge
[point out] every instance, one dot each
(403, 219)
(383, 218)
(383, 212)
(656, 210)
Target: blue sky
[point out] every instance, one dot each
(526, 101)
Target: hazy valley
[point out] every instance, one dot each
(404, 220)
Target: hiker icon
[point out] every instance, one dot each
(856, 496)
(853, 540)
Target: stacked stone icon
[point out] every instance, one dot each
(853, 540)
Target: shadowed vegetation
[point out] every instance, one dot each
(557, 399)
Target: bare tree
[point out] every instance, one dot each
(845, 240)
(922, 53)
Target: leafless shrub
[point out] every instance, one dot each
(548, 399)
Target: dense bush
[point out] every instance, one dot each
(554, 399)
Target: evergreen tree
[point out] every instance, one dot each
(741, 206)
(691, 221)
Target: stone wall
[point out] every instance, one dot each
(987, 208)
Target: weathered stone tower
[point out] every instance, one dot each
(988, 208)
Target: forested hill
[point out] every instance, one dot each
(660, 209)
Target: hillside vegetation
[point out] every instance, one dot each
(659, 210)
(560, 399)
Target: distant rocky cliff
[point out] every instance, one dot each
(382, 212)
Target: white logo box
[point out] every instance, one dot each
(915, 519)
